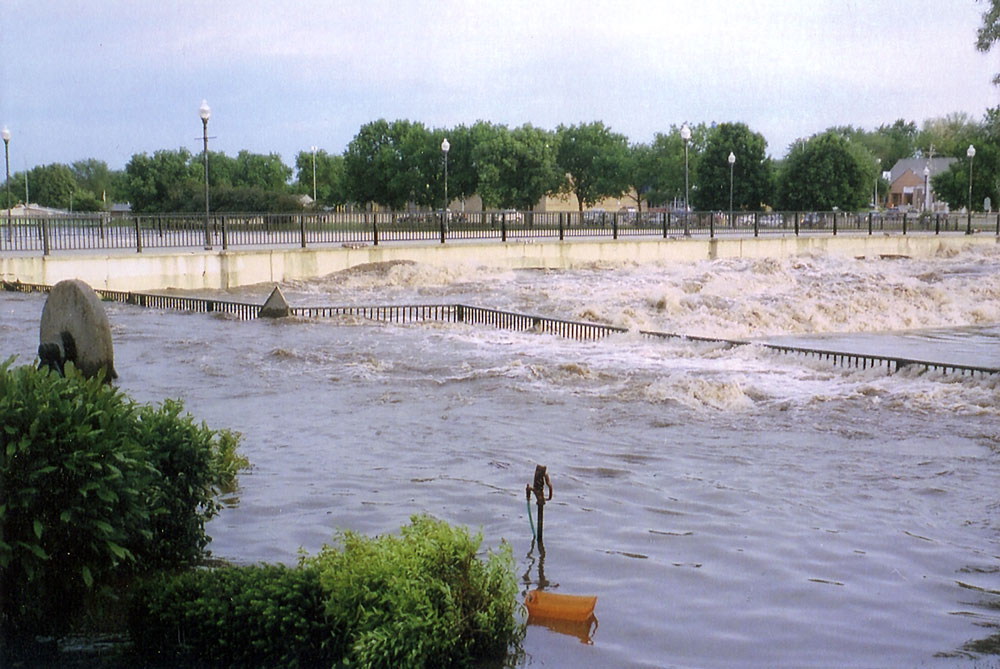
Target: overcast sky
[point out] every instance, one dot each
(107, 79)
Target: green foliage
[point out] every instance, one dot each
(71, 494)
(420, 599)
(388, 163)
(989, 33)
(516, 167)
(257, 616)
(154, 182)
(194, 464)
(92, 487)
(330, 177)
(596, 160)
(825, 172)
(751, 175)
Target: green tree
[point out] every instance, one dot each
(824, 172)
(516, 167)
(596, 161)
(97, 179)
(989, 33)
(666, 168)
(255, 170)
(641, 173)
(52, 185)
(751, 173)
(330, 177)
(947, 135)
(154, 183)
(388, 164)
(463, 176)
(952, 185)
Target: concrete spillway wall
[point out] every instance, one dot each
(194, 270)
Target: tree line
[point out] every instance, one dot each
(397, 164)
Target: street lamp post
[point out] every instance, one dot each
(732, 162)
(314, 175)
(204, 111)
(878, 168)
(971, 153)
(927, 181)
(445, 146)
(5, 133)
(686, 136)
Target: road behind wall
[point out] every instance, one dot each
(212, 270)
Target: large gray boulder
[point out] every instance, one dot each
(75, 328)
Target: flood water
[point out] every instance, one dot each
(729, 507)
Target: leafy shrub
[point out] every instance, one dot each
(260, 616)
(421, 599)
(195, 464)
(93, 486)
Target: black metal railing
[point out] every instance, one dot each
(138, 232)
(507, 320)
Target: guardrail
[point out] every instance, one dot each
(138, 232)
(507, 320)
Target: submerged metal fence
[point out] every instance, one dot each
(507, 320)
(76, 232)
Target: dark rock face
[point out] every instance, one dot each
(74, 328)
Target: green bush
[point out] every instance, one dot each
(195, 464)
(421, 599)
(260, 616)
(93, 487)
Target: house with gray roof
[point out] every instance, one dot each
(910, 187)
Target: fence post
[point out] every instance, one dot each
(904, 223)
(442, 226)
(503, 226)
(561, 231)
(711, 225)
(869, 224)
(45, 235)
(834, 224)
(666, 223)
(937, 224)
(998, 223)
(374, 228)
(138, 234)
(614, 225)
(756, 223)
(302, 230)
(225, 240)
(796, 224)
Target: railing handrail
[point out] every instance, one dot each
(464, 313)
(136, 231)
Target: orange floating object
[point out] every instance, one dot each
(577, 608)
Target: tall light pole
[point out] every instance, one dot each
(878, 168)
(686, 136)
(732, 162)
(204, 111)
(314, 175)
(971, 153)
(927, 181)
(5, 133)
(445, 146)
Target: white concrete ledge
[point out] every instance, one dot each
(194, 270)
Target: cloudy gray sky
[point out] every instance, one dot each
(110, 78)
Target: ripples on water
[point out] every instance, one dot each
(729, 507)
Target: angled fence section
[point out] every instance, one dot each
(507, 320)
